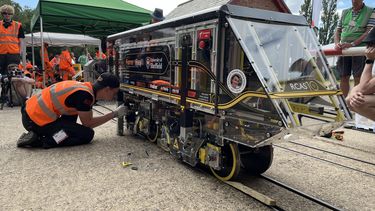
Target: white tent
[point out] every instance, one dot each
(56, 39)
(59, 39)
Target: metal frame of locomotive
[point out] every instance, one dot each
(218, 87)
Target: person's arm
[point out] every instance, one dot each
(367, 82)
(89, 120)
(82, 101)
(337, 38)
(361, 38)
(21, 37)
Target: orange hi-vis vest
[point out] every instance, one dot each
(28, 66)
(65, 60)
(49, 105)
(97, 55)
(9, 41)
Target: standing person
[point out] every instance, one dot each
(74, 59)
(157, 15)
(66, 64)
(83, 59)
(11, 38)
(50, 117)
(55, 61)
(99, 55)
(48, 68)
(353, 27)
(361, 98)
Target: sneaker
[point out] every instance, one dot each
(27, 139)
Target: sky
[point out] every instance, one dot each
(169, 5)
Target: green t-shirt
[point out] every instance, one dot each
(83, 60)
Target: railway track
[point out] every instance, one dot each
(274, 203)
(330, 161)
(333, 153)
(327, 140)
(264, 199)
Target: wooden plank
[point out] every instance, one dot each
(253, 193)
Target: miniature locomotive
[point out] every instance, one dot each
(219, 86)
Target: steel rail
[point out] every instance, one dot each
(333, 153)
(328, 161)
(300, 193)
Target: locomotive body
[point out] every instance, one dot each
(218, 87)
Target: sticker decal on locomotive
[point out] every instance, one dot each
(236, 81)
(304, 85)
(148, 60)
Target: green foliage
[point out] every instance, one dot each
(306, 10)
(22, 15)
(329, 19)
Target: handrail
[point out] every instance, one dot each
(353, 51)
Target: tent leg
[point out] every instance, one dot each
(42, 49)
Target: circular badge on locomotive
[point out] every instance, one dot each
(236, 81)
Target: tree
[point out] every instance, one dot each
(22, 15)
(329, 18)
(306, 10)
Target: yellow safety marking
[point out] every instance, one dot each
(305, 109)
(238, 99)
(126, 164)
(175, 144)
(173, 96)
(202, 155)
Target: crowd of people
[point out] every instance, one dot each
(50, 117)
(356, 28)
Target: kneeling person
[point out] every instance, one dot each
(50, 117)
(361, 98)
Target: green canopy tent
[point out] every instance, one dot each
(96, 18)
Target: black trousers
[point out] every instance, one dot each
(77, 133)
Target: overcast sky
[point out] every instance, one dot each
(169, 5)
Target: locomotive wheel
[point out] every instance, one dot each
(230, 163)
(154, 132)
(256, 161)
(154, 128)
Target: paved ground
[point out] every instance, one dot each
(91, 176)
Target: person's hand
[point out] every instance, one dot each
(338, 46)
(356, 100)
(370, 53)
(345, 45)
(120, 111)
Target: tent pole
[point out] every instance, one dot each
(33, 55)
(42, 49)
(23, 46)
(32, 48)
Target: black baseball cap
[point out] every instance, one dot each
(157, 14)
(107, 79)
(370, 38)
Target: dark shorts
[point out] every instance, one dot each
(348, 65)
(7, 59)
